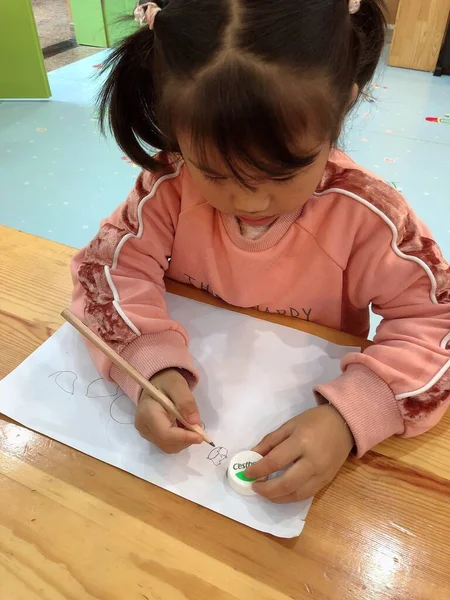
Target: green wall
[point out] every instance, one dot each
(98, 23)
(113, 11)
(87, 16)
(22, 70)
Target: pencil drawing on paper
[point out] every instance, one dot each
(65, 380)
(122, 410)
(218, 455)
(100, 388)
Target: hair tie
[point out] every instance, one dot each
(354, 6)
(146, 16)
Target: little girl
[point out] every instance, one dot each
(249, 200)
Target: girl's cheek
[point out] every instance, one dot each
(217, 198)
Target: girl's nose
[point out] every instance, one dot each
(247, 203)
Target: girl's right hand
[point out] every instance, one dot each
(156, 425)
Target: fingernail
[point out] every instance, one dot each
(194, 418)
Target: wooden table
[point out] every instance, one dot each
(74, 528)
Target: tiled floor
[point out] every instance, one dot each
(53, 23)
(69, 56)
(59, 177)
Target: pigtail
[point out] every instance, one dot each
(175, 75)
(127, 100)
(368, 37)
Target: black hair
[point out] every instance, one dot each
(247, 77)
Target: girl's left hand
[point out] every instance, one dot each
(313, 446)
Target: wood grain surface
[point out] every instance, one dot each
(74, 528)
(392, 9)
(419, 33)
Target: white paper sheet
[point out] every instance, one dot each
(254, 377)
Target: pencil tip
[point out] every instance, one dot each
(212, 444)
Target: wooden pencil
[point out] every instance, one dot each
(121, 363)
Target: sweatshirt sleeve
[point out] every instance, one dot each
(119, 287)
(401, 384)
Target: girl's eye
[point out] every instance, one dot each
(213, 179)
(285, 179)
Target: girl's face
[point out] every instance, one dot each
(266, 200)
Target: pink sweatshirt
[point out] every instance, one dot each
(356, 242)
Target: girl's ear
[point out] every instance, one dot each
(353, 95)
(351, 101)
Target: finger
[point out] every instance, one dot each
(280, 457)
(309, 490)
(168, 434)
(156, 425)
(177, 389)
(273, 439)
(292, 480)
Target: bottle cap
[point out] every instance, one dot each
(236, 472)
